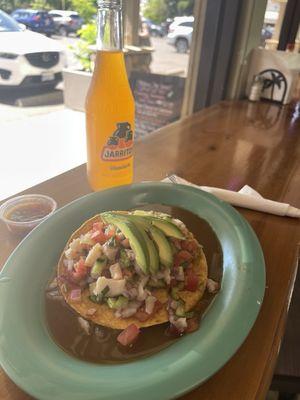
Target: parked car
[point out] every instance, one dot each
(35, 20)
(66, 21)
(180, 33)
(154, 29)
(28, 59)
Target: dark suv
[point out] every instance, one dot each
(35, 20)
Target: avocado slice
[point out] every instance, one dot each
(153, 254)
(163, 222)
(136, 239)
(163, 245)
(168, 228)
(142, 225)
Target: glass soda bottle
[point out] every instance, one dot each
(109, 106)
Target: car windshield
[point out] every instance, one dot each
(7, 24)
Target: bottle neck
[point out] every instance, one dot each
(109, 33)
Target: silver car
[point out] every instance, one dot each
(180, 33)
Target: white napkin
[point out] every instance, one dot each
(246, 198)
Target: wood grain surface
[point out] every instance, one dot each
(228, 145)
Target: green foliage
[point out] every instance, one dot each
(85, 8)
(40, 5)
(156, 10)
(159, 10)
(10, 5)
(88, 33)
(82, 50)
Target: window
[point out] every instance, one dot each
(189, 24)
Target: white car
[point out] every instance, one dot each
(28, 59)
(180, 33)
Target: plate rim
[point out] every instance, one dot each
(140, 186)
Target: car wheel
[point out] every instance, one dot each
(62, 31)
(182, 46)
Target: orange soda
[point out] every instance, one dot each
(109, 107)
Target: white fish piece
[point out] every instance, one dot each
(115, 271)
(110, 252)
(149, 304)
(116, 286)
(94, 253)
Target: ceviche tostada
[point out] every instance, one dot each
(131, 270)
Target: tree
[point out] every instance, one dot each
(156, 10)
(159, 10)
(85, 8)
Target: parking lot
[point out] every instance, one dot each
(165, 60)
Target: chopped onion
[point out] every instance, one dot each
(87, 239)
(131, 309)
(167, 276)
(115, 271)
(84, 325)
(159, 275)
(173, 304)
(141, 295)
(212, 286)
(179, 323)
(75, 295)
(130, 254)
(74, 248)
(149, 304)
(180, 274)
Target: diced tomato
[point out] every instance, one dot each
(99, 237)
(191, 282)
(181, 257)
(177, 243)
(192, 324)
(119, 237)
(128, 335)
(97, 226)
(80, 270)
(141, 315)
(189, 245)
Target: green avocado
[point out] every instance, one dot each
(168, 228)
(162, 221)
(163, 245)
(133, 234)
(142, 225)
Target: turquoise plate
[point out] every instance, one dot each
(35, 363)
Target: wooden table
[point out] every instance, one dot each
(228, 145)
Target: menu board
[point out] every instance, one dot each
(158, 100)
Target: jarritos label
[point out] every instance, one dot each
(119, 145)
